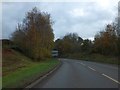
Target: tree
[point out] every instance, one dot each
(70, 43)
(59, 46)
(35, 35)
(86, 46)
(105, 41)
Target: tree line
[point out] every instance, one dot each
(106, 42)
(35, 38)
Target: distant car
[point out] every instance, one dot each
(54, 53)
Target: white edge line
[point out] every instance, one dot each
(111, 78)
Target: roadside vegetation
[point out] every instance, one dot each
(34, 36)
(27, 54)
(104, 48)
(95, 58)
(19, 70)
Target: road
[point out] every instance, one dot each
(82, 74)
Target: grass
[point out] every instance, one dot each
(0, 82)
(95, 58)
(26, 75)
(13, 60)
(19, 70)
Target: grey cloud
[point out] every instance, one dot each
(86, 26)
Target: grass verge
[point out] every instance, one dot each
(18, 70)
(23, 76)
(95, 58)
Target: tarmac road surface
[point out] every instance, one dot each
(82, 74)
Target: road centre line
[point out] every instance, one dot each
(111, 78)
(102, 74)
(91, 68)
(82, 64)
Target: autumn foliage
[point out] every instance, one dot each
(34, 36)
(106, 41)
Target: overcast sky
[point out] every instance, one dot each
(85, 18)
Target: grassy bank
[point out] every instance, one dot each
(24, 76)
(95, 58)
(19, 70)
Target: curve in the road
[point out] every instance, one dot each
(82, 74)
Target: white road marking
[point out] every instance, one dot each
(102, 74)
(91, 68)
(78, 62)
(111, 78)
(82, 64)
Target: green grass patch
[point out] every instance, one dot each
(24, 76)
(13, 60)
(19, 70)
(0, 82)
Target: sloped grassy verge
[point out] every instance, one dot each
(18, 70)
